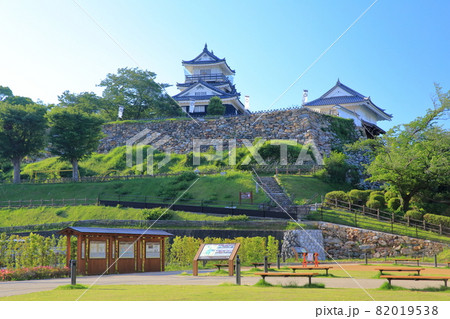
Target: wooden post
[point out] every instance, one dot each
(424, 224)
(68, 257)
(407, 220)
(440, 229)
(364, 209)
(238, 271)
(378, 213)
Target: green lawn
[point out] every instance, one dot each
(210, 188)
(226, 293)
(347, 218)
(307, 188)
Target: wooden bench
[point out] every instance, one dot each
(223, 265)
(260, 264)
(286, 274)
(413, 269)
(294, 268)
(416, 278)
(408, 259)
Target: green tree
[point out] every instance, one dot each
(88, 102)
(414, 158)
(139, 94)
(74, 135)
(215, 106)
(22, 133)
(5, 92)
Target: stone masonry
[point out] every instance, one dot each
(342, 242)
(300, 124)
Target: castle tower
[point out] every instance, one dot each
(207, 76)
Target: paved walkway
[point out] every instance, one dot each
(174, 278)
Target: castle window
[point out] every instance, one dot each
(199, 109)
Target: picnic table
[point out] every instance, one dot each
(412, 269)
(408, 259)
(326, 268)
(416, 278)
(260, 264)
(286, 274)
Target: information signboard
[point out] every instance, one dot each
(216, 251)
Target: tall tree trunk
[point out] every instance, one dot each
(406, 200)
(75, 170)
(16, 164)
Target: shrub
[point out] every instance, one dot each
(437, 219)
(339, 195)
(389, 195)
(215, 106)
(157, 213)
(414, 214)
(394, 203)
(373, 203)
(336, 167)
(41, 272)
(357, 196)
(377, 197)
(186, 177)
(236, 218)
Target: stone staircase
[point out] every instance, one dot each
(271, 186)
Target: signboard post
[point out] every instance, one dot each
(245, 195)
(216, 252)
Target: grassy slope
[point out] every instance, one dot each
(228, 292)
(305, 188)
(43, 215)
(346, 218)
(220, 188)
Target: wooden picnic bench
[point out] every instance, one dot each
(294, 268)
(260, 264)
(223, 265)
(413, 269)
(408, 259)
(286, 274)
(416, 278)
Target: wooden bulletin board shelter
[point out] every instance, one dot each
(116, 250)
(217, 252)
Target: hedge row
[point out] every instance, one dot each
(253, 249)
(42, 272)
(437, 219)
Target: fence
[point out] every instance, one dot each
(221, 208)
(49, 202)
(389, 217)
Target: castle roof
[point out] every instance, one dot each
(207, 57)
(184, 95)
(342, 94)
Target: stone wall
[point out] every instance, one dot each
(343, 242)
(301, 124)
(349, 242)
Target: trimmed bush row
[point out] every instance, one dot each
(42, 272)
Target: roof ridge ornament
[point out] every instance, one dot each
(206, 47)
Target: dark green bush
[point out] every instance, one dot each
(373, 203)
(158, 213)
(339, 195)
(437, 219)
(336, 167)
(394, 203)
(414, 214)
(357, 196)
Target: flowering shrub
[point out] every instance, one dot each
(42, 272)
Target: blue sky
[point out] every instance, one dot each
(394, 53)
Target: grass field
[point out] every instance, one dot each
(226, 293)
(307, 188)
(211, 188)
